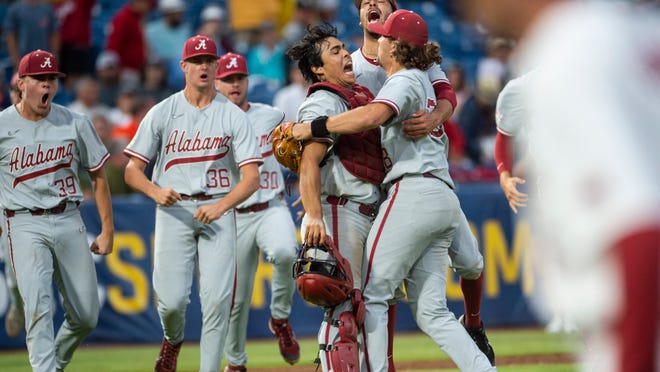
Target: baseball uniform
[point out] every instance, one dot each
(349, 205)
(594, 146)
(410, 238)
(198, 153)
(47, 238)
(263, 224)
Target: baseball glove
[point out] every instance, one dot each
(287, 150)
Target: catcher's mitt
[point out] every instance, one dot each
(287, 150)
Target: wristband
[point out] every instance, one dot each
(319, 128)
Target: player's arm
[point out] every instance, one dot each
(354, 121)
(135, 178)
(248, 184)
(423, 123)
(504, 160)
(310, 191)
(103, 243)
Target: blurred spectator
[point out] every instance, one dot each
(166, 34)
(213, 19)
(306, 14)
(477, 121)
(30, 25)
(266, 60)
(121, 114)
(75, 20)
(456, 75)
(126, 38)
(139, 105)
(328, 10)
(289, 98)
(494, 67)
(155, 85)
(14, 92)
(107, 72)
(103, 128)
(87, 98)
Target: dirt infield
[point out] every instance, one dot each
(446, 364)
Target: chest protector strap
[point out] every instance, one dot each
(360, 153)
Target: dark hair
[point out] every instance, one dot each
(422, 58)
(307, 51)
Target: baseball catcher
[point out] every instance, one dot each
(323, 277)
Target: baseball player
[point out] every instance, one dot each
(206, 163)
(598, 207)
(510, 117)
(466, 260)
(14, 318)
(340, 195)
(410, 237)
(42, 146)
(263, 224)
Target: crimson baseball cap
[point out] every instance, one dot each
(404, 25)
(199, 45)
(358, 3)
(230, 64)
(39, 62)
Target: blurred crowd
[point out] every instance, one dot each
(137, 64)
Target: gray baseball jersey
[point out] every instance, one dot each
(410, 238)
(263, 224)
(39, 164)
(199, 151)
(369, 73)
(406, 92)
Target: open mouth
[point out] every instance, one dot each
(373, 16)
(348, 67)
(204, 76)
(44, 98)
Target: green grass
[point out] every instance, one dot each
(264, 353)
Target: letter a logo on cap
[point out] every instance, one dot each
(46, 63)
(233, 63)
(201, 45)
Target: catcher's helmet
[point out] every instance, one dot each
(323, 276)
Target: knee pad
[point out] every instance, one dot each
(344, 354)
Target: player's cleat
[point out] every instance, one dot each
(169, 353)
(232, 368)
(479, 336)
(289, 347)
(14, 322)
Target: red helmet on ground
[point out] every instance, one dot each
(323, 276)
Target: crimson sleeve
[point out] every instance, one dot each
(503, 152)
(444, 90)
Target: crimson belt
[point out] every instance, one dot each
(58, 209)
(368, 210)
(199, 196)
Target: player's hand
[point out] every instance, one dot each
(208, 213)
(301, 131)
(419, 125)
(314, 231)
(301, 213)
(102, 245)
(166, 197)
(510, 187)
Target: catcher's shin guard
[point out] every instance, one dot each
(344, 353)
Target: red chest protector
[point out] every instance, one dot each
(360, 153)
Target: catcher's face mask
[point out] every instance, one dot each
(323, 277)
